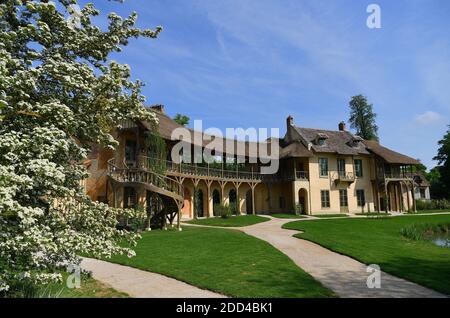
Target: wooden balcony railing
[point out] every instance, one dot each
(302, 175)
(145, 162)
(129, 174)
(399, 175)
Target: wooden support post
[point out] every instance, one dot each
(387, 199)
(238, 203)
(407, 197)
(253, 186)
(208, 210)
(413, 198)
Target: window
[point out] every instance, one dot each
(130, 150)
(360, 197)
(422, 193)
(323, 167)
(358, 168)
(129, 197)
(321, 142)
(282, 203)
(341, 167)
(325, 198)
(343, 199)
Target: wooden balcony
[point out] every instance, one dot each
(192, 170)
(399, 175)
(302, 175)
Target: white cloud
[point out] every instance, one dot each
(428, 118)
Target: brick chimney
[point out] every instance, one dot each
(158, 108)
(342, 126)
(289, 121)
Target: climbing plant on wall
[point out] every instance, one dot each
(157, 152)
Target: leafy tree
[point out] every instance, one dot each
(362, 118)
(420, 168)
(59, 94)
(443, 159)
(437, 188)
(181, 119)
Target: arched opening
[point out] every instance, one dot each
(249, 202)
(198, 203)
(233, 201)
(302, 201)
(216, 201)
(186, 210)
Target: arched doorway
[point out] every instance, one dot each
(233, 201)
(198, 203)
(186, 210)
(216, 200)
(249, 202)
(303, 201)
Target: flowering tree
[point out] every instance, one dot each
(59, 94)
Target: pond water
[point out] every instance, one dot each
(442, 241)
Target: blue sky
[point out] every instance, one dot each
(244, 63)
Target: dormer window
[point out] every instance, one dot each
(355, 141)
(321, 138)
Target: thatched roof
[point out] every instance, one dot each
(339, 142)
(167, 126)
(420, 180)
(390, 156)
(295, 149)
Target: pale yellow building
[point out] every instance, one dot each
(320, 172)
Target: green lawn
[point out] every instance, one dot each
(432, 211)
(232, 221)
(378, 241)
(287, 216)
(226, 261)
(337, 215)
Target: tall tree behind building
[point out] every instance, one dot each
(443, 168)
(362, 118)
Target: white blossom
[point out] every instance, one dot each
(58, 96)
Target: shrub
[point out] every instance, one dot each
(425, 231)
(299, 209)
(439, 204)
(223, 210)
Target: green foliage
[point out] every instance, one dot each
(198, 203)
(441, 177)
(299, 209)
(420, 168)
(435, 204)
(223, 210)
(157, 152)
(59, 94)
(362, 118)
(137, 220)
(425, 231)
(181, 119)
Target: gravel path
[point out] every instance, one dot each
(142, 284)
(342, 274)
